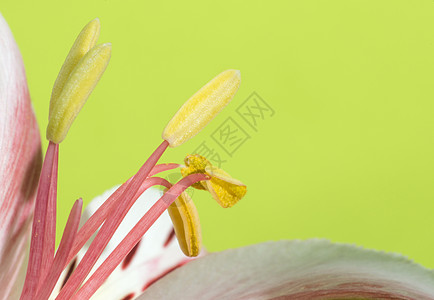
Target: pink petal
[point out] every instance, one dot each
(20, 160)
(313, 269)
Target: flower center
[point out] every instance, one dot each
(83, 68)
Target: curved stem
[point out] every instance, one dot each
(134, 236)
(110, 225)
(100, 215)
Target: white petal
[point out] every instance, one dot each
(137, 277)
(20, 160)
(313, 269)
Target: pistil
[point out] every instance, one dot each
(78, 77)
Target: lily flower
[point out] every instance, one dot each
(122, 246)
(83, 68)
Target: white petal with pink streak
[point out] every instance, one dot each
(312, 269)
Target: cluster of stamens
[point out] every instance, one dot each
(81, 71)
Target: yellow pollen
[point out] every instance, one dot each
(225, 190)
(202, 107)
(186, 223)
(195, 164)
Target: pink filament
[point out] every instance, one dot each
(43, 234)
(50, 235)
(110, 225)
(44, 270)
(95, 221)
(66, 242)
(134, 236)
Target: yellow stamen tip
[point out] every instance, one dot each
(227, 191)
(186, 223)
(76, 90)
(85, 41)
(202, 107)
(195, 164)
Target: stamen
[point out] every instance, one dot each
(96, 248)
(110, 225)
(79, 75)
(134, 236)
(95, 221)
(38, 249)
(85, 41)
(227, 191)
(100, 215)
(224, 189)
(202, 107)
(50, 234)
(163, 167)
(76, 90)
(62, 253)
(186, 223)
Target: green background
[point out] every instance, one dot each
(348, 154)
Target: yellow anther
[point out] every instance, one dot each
(186, 223)
(225, 190)
(76, 90)
(196, 164)
(202, 107)
(85, 41)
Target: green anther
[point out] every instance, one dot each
(76, 90)
(85, 41)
